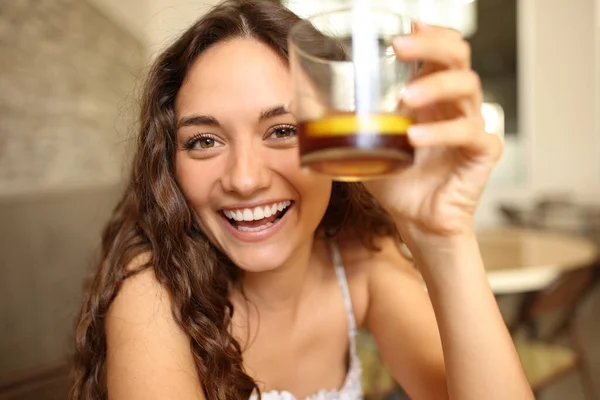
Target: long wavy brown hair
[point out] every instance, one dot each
(154, 218)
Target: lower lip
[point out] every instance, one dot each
(258, 236)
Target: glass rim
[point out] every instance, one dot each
(350, 9)
(341, 10)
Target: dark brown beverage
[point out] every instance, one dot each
(349, 147)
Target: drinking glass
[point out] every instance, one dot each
(347, 92)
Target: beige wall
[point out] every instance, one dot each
(170, 17)
(155, 21)
(66, 77)
(597, 64)
(565, 141)
(132, 15)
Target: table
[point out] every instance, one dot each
(523, 260)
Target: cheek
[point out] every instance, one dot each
(314, 189)
(317, 190)
(195, 180)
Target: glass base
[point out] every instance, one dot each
(355, 165)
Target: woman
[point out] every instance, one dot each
(226, 272)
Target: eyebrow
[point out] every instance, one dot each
(196, 120)
(274, 112)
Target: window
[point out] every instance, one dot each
(494, 47)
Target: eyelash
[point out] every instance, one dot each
(189, 145)
(274, 129)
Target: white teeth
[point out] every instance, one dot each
(248, 215)
(268, 212)
(255, 229)
(257, 213)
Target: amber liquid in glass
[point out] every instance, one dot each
(351, 147)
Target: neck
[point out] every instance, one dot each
(281, 289)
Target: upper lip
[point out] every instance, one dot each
(254, 204)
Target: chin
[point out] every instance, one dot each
(260, 258)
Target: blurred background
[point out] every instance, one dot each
(70, 73)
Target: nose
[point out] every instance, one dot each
(248, 171)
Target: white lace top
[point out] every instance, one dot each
(351, 389)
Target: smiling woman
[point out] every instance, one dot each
(227, 272)
(248, 150)
(230, 145)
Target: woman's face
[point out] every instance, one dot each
(237, 160)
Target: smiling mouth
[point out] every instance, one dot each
(259, 218)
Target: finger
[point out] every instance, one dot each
(464, 132)
(443, 86)
(437, 48)
(494, 145)
(428, 29)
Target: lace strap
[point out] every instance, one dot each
(343, 282)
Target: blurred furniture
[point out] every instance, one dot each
(519, 260)
(47, 244)
(557, 213)
(546, 332)
(544, 359)
(555, 271)
(45, 383)
(377, 382)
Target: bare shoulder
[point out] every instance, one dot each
(400, 316)
(148, 354)
(137, 295)
(366, 267)
(371, 264)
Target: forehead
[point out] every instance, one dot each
(235, 75)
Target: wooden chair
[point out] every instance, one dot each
(544, 359)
